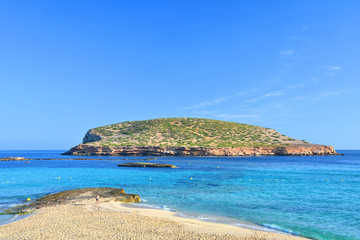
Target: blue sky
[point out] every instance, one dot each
(68, 66)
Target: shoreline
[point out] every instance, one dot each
(215, 219)
(13, 218)
(141, 222)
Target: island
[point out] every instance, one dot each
(192, 137)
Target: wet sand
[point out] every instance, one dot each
(114, 220)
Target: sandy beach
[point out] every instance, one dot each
(115, 220)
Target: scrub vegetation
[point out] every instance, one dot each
(187, 132)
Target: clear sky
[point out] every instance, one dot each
(68, 66)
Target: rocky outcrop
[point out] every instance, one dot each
(142, 164)
(106, 194)
(90, 137)
(13, 159)
(301, 150)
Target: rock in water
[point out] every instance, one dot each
(143, 164)
(13, 159)
(116, 194)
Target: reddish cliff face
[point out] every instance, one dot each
(89, 150)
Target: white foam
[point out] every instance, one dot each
(164, 207)
(224, 220)
(278, 228)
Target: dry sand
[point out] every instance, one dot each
(113, 220)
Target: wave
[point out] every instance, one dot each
(5, 219)
(280, 229)
(219, 219)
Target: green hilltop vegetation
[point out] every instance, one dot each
(187, 132)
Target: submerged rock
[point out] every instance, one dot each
(106, 194)
(143, 164)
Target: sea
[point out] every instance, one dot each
(313, 196)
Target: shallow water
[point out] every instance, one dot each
(315, 196)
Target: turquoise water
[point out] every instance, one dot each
(317, 196)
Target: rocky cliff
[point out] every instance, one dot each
(89, 150)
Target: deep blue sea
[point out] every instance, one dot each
(315, 196)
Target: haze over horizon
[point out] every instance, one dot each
(67, 67)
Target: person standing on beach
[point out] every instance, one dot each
(97, 199)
